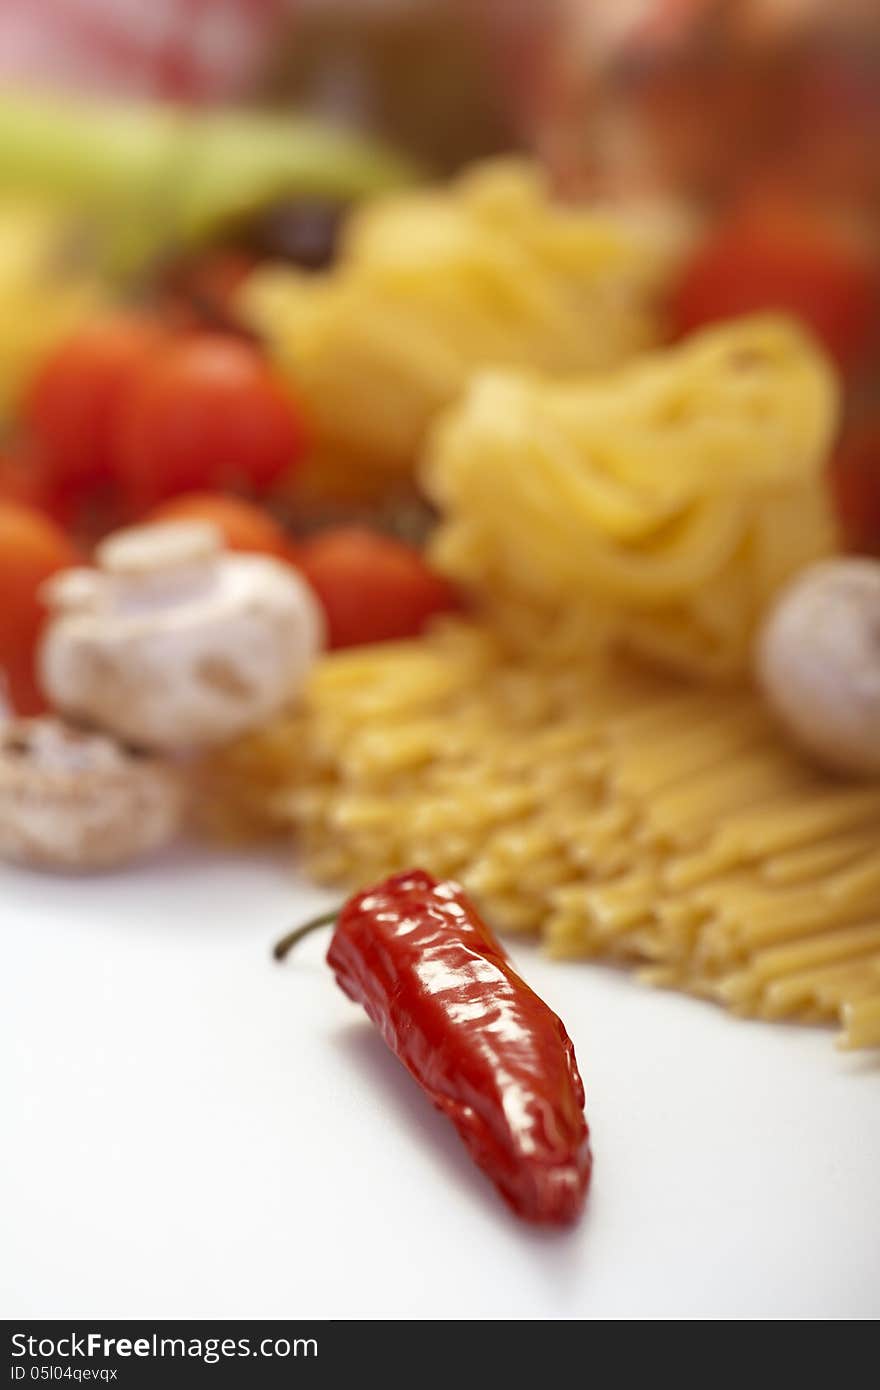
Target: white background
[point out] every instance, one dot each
(192, 1131)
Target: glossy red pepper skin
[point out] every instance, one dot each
(490, 1054)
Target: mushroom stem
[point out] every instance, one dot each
(286, 944)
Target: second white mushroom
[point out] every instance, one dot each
(818, 662)
(75, 800)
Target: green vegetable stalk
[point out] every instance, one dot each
(152, 176)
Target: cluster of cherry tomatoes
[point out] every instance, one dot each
(130, 420)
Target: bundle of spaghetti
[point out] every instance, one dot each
(657, 507)
(433, 284)
(621, 815)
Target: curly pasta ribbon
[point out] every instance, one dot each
(658, 506)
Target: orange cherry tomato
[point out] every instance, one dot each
(73, 401)
(372, 588)
(32, 547)
(23, 480)
(244, 525)
(208, 414)
(779, 260)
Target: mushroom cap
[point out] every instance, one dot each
(178, 644)
(818, 662)
(75, 800)
(158, 547)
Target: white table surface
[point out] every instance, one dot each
(192, 1131)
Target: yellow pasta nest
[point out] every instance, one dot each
(620, 815)
(657, 507)
(436, 283)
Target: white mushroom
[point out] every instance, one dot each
(76, 800)
(818, 661)
(174, 643)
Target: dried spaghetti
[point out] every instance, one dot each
(620, 814)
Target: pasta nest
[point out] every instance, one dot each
(656, 508)
(434, 284)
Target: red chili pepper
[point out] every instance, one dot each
(490, 1054)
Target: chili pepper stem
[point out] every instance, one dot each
(286, 944)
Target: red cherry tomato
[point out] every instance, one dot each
(244, 525)
(72, 403)
(855, 486)
(777, 260)
(32, 548)
(24, 477)
(372, 588)
(209, 414)
(20, 686)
